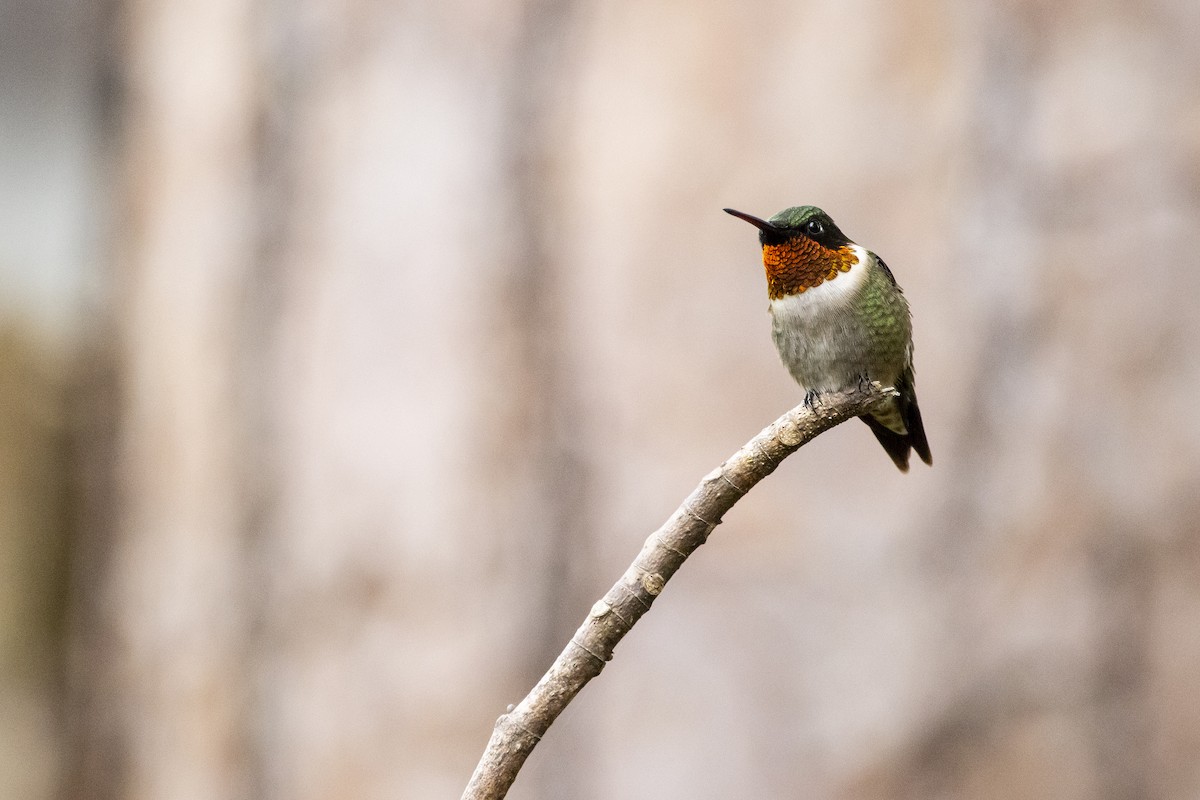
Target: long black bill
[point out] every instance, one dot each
(761, 224)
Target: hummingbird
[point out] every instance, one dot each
(839, 318)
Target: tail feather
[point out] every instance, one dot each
(900, 445)
(897, 445)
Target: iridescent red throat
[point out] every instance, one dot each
(800, 264)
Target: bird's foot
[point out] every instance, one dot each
(811, 397)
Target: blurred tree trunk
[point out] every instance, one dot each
(168, 674)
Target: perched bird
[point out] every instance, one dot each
(839, 318)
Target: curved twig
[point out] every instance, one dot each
(518, 731)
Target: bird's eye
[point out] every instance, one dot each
(814, 227)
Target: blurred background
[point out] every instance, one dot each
(349, 352)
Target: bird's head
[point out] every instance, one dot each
(802, 248)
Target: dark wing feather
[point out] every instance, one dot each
(888, 271)
(912, 416)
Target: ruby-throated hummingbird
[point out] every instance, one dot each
(839, 318)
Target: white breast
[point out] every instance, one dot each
(820, 341)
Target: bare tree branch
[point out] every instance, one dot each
(518, 732)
